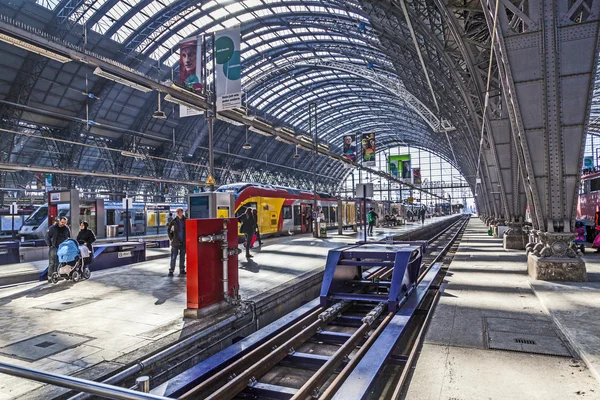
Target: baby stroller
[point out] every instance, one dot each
(580, 235)
(72, 262)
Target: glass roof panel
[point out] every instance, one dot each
(50, 4)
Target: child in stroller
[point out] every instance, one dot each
(73, 262)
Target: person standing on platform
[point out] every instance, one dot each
(176, 231)
(58, 233)
(422, 213)
(86, 236)
(248, 228)
(372, 220)
(255, 215)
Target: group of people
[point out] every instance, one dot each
(58, 233)
(420, 214)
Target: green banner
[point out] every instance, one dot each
(399, 167)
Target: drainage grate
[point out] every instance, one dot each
(45, 344)
(66, 304)
(525, 336)
(42, 346)
(524, 341)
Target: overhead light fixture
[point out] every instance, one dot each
(296, 155)
(159, 114)
(34, 48)
(280, 139)
(247, 145)
(306, 139)
(137, 156)
(186, 91)
(229, 120)
(175, 100)
(259, 131)
(121, 80)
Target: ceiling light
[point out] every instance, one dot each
(247, 145)
(121, 80)
(159, 114)
(34, 48)
(259, 131)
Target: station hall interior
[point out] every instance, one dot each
(299, 199)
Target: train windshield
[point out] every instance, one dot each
(38, 216)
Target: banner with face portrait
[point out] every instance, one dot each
(349, 147)
(416, 173)
(190, 66)
(368, 149)
(229, 69)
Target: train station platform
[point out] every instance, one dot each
(119, 316)
(497, 334)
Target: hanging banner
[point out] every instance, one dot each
(368, 149)
(416, 173)
(190, 67)
(349, 148)
(399, 167)
(229, 70)
(190, 64)
(48, 182)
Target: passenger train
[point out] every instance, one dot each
(589, 201)
(143, 218)
(283, 210)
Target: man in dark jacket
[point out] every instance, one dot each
(248, 228)
(57, 233)
(176, 230)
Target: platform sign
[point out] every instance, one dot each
(128, 202)
(228, 73)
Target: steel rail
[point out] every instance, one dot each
(240, 382)
(311, 387)
(343, 375)
(221, 378)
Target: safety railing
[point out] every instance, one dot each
(142, 385)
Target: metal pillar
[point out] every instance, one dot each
(547, 53)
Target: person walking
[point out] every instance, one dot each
(255, 216)
(176, 231)
(372, 220)
(58, 233)
(248, 228)
(422, 213)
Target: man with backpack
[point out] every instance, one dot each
(371, 220)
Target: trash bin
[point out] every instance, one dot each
(111, 231)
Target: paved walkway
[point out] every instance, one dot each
(490, 337)
(118, 311)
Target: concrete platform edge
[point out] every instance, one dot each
(571, 341)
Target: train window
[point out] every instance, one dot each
(332, 214)
(595, 185)
(242, 210)
(326, 213)
(297, 220)
(287, 212)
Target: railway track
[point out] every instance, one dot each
(315, 356)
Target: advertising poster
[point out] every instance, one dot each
(349, 148)
(190, 63)
(399, 167)
(229, 70)
(416, 173)
(368, 149)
